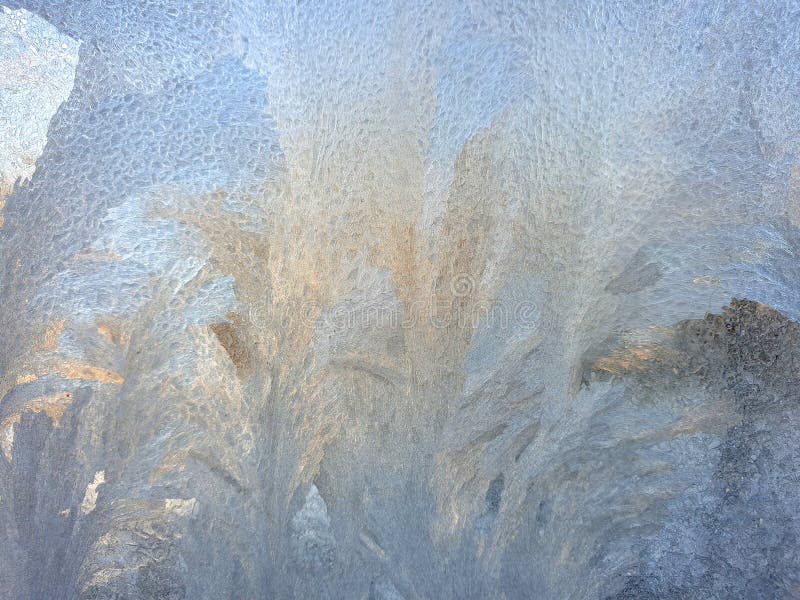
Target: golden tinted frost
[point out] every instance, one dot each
(631, 359)
(52, 334)
(74, 369)
(25, 378)
(53, 406)
(113, 330)
(228, 334)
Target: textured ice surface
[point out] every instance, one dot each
(399, 300)
(37, 64)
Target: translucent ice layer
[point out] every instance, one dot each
(399, 300)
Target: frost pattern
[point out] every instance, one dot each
(489, 299)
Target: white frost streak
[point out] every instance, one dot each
(180, 506)
(90, 497)
(7, 440)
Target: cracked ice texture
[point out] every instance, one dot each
(400, 300)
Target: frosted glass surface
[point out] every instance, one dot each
(399, 300)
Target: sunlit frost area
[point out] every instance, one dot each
(399, 300)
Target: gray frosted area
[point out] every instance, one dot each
(399, 300)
